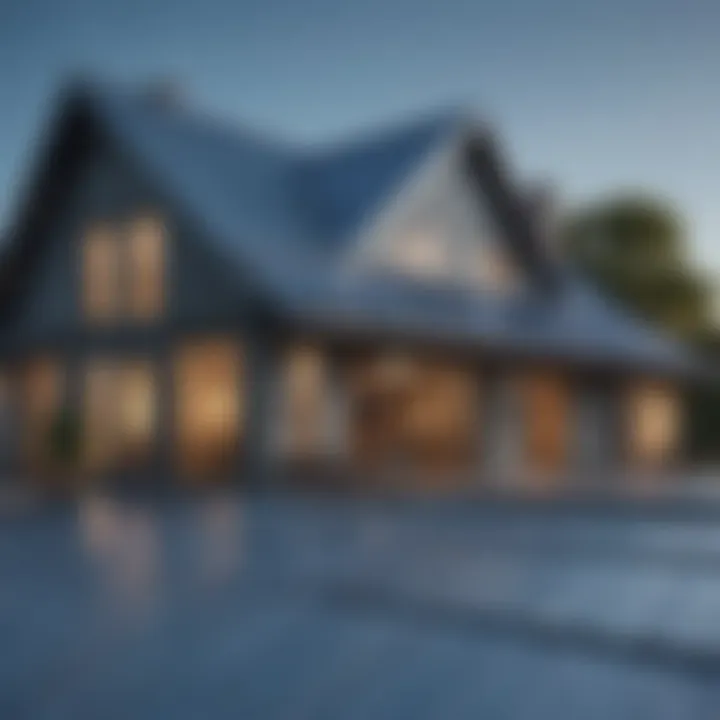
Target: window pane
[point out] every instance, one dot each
(120, 413)
(494, 270)
(146, 260)
(138, 411)
(654, 423)
(547, 426)
(424, 253)
(208, 412)
(415, 414)
(101, 290)
(100, 402)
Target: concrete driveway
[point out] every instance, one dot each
(227, 607)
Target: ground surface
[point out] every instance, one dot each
(281, 608)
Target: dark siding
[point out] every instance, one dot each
(107, 187)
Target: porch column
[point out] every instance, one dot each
(261, 397)
(164, 462)
(337, 413)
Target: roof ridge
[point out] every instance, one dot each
(232, 128)
(380, 133)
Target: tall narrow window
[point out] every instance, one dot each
(138, 411)
(146, 266)
(209, 413)
(654, 423)
(101, 274)
(100, 417)
(547, 421)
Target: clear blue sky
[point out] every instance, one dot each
(594, 95)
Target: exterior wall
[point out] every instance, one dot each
(528, 424)
(437, 227)
(502, 412)
(48, 321)
(539, 429)
(597, 437)
(108, 188)
(529, 421)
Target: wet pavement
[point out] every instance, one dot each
(226, 607)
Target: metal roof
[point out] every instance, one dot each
(278, 214)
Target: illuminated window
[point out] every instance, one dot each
(208, 405)
(120, 411)
(124, 271)
(547, 424)
(101, 447)
(493, 269)
(101, 274)
(146, 268)
(411, 412)
(423, 254)
(655, 422)
(137, 409)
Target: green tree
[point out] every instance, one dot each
(635, 248)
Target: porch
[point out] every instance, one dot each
(218, 409)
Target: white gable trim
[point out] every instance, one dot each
(435, 226)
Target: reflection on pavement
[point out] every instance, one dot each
(220, 524)
(123, 542)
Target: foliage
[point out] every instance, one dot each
(635, 249)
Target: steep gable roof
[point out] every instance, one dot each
(345, 185)
(278, 214)
(271, 208)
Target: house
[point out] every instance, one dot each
(201, 303)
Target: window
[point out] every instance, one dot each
(209, 412)
(654, 423)
(431, 253)
(493, 269)
(547, 425)
(137, 405)
(423, 254)
(409, 412)
(124, 270)
(120, 413)
(101, 274)
(146, 253)
(100, 402)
